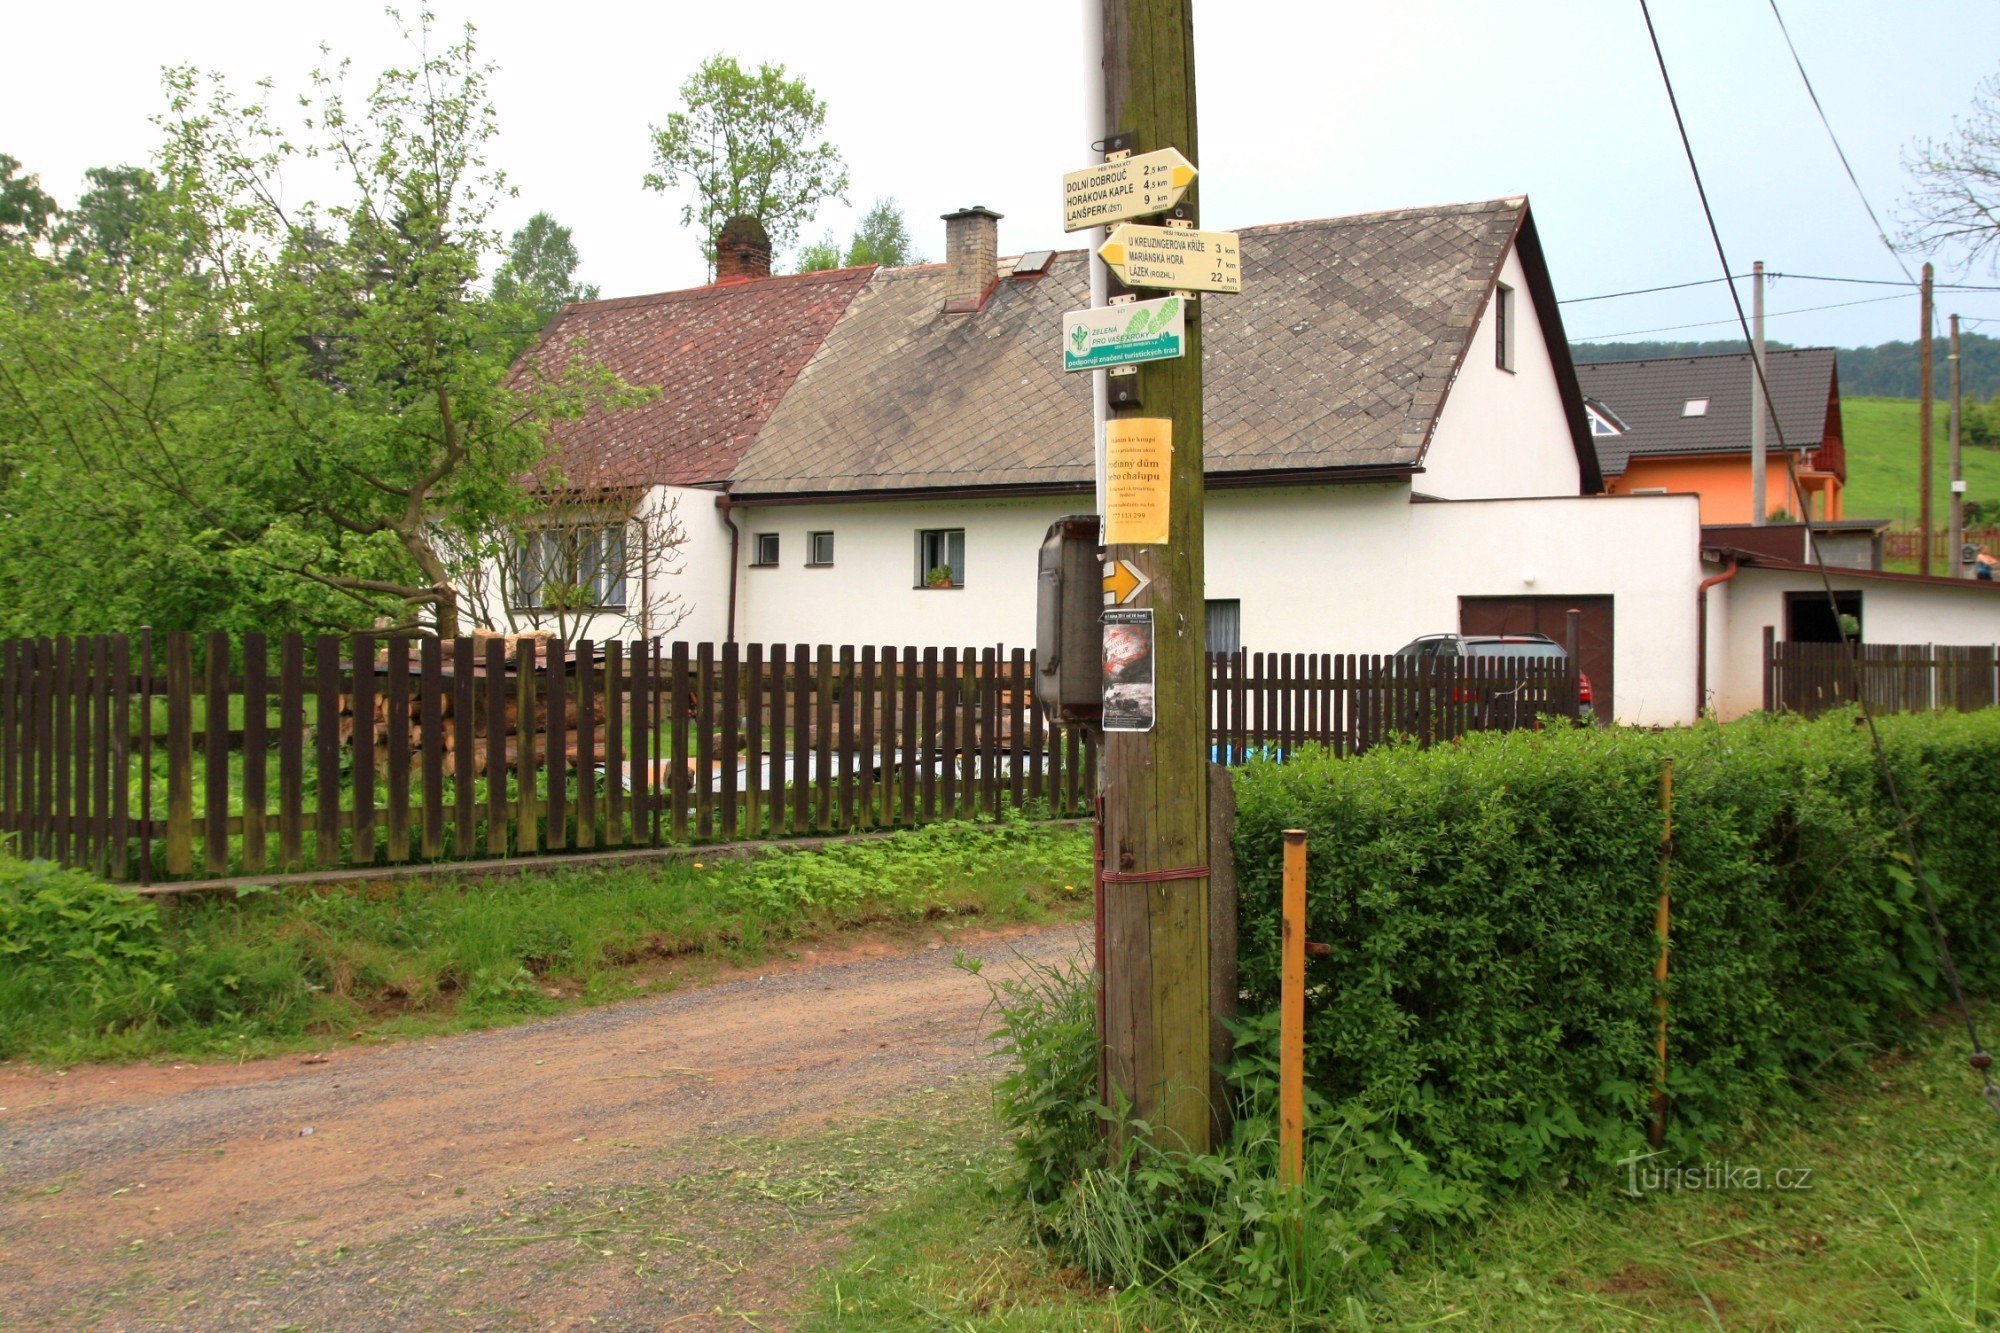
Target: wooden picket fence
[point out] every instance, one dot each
(219, 756)
(1270, 704)
(1811, 678)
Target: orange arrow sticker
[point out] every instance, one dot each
(1123, 581)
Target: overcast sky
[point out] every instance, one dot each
(1307, 110)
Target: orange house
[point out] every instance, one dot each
(1675, 425)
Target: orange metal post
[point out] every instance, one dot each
(1292, 1016)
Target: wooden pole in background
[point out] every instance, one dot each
(1656, 1134)
(1924, 407)
(1953, 562)
(1155, 783)
(1292, 1016)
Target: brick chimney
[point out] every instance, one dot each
(972, 254)
(742, 250)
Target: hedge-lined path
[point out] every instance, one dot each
(461, 1181)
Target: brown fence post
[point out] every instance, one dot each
(180, 753)
(588, 770)
(256, 750)
(526, 840)
(1770, 668)
(396, 744)
(555, 709)
(291, 751)
(145, 756)
(121, 756)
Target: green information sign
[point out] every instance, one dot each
(1125, 335)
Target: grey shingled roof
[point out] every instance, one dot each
(1649, 396)
(1337, 355)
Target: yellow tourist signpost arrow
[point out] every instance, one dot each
(1178, 259)
(1123, 581)
(1129, 187)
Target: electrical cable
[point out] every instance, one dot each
(1646, 291)
(1981, 1060)
(1795, 277)
(1775, 314)
(1881, 232)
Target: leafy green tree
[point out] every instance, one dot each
(305, 408)
(820, 255)
(748, 145)
(26, 212)
(108, 217)
(539, 273)
(883, 238)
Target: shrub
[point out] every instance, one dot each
(1490, 911)
(1485, 1017)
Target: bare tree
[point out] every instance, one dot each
(1955, 198)
(599, 564)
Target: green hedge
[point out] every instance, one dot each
(1490, 908)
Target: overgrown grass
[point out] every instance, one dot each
(92, 972)
(1900, 1229)
(1883, 465)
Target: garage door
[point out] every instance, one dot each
(1550, 615)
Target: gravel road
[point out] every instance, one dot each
(390, 1187)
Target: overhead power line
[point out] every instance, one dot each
(1795, 277)
(1881, 232)
(1982, 1062)
(1775, 314)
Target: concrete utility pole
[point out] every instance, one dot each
(1759, 503)
(1954, 559)
(1924, 431)
(1155, 783)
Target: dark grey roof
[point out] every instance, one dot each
(1337, 355)
(1650, 397)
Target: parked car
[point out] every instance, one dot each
(1512, 647)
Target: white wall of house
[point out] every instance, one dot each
(1892, 611)
(1339, 569)
(695, 578)
(1502, 433)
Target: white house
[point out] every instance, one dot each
(1394, 445)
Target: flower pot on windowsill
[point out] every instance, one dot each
(938, 578)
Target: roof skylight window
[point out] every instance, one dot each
(1696, 407)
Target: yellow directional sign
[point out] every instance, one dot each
(1133, 187)
(1174, 258)
(1123, 581)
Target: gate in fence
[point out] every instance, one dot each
(222, 756)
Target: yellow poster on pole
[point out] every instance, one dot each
(1138, 473)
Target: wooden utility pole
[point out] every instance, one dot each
(1924, 430)
(1759, 468)
(1155, 783)
(1954, 559)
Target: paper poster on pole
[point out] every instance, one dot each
(1138, 479)
(1128, 670)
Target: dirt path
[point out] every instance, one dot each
(623, 1167)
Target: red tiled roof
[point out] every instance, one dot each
(723, 355)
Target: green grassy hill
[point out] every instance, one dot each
(1882, 464)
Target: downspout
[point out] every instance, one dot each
(735, 538)
(1701, 635)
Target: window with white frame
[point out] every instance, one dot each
(1503, 326)
(819, 549)
(941, 557)
(764, 549)
(568, 566)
